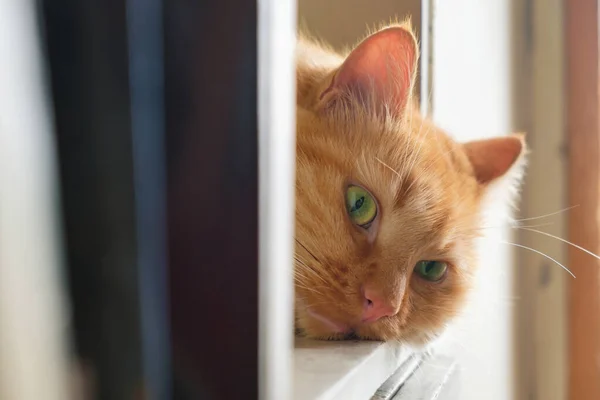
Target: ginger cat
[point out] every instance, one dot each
(388, 206)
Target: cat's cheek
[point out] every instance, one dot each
(315, 330)
(317, 326)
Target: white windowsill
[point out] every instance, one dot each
(346, 370)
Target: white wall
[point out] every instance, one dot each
(472, 98)
(33, 319)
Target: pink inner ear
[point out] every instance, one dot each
(380, 70)
(492, 158)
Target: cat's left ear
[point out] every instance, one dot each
(494, 158)
(380, 71)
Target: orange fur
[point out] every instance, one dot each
(429, 190)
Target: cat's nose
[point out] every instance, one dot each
(376, 306)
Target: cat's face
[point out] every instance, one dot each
(387, 205)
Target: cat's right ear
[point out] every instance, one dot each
(380, 72)
(494, 158)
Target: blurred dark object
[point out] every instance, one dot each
(211, 104)
(88, 58)
(135, 200)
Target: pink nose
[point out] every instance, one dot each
(376, 307)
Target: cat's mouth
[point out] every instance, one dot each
(341, 331)
(331, 328)
(351, 335)
(334, 330)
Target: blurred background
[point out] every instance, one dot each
(129, 188)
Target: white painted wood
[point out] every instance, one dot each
(33, 322)
(343, 370)
(277, 124)
(436, 378)
(426, 62)
(394, 383)
(473, 99)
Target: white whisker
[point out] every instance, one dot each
(547, 215)
(540, 253)
(388, 167)
(532, 226)
(301, 265)
(562, 240)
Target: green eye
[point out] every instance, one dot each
(432, 271)
(361, 206)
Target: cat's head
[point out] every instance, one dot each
(387, 205)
